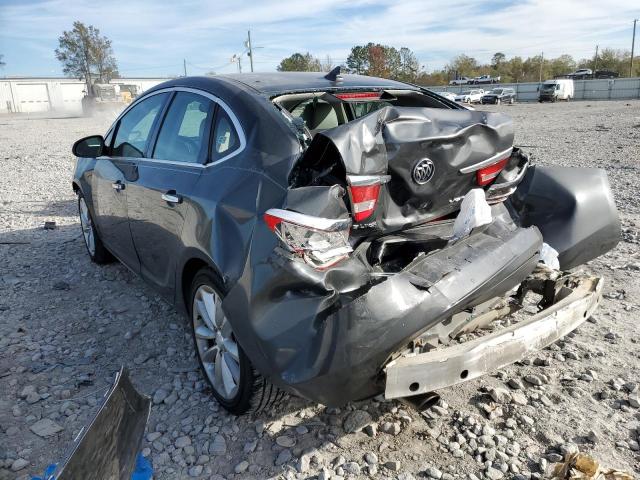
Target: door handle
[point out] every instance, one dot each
(117, 186)
(171, 197)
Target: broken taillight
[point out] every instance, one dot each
(364, 191)
(320, 242)
(486, 175)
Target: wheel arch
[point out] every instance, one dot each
(194, 261)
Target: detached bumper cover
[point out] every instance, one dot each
(445, 367)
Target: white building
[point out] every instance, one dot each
(54, 94)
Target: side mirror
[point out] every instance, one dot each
(90, 147)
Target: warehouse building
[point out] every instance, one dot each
(54, 94)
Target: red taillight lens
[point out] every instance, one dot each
(271, 221)
(364, 199)
(486, 175)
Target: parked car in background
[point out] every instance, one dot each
(323, 232)
(606, 74)
(499, 95)
(470, 96)
(461, 81)
(448, 95)
(557, 89)
(581, 74)
(485, 79)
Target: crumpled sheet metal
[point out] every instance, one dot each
(393, 140)
(371, 143)
(580, 466)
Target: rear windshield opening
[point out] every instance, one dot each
(325, 110)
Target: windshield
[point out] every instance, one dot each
(548, 86)
(467, 92)
(497, 91)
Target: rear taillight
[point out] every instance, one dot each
(364, 191)
(320, 242)
(486, 175)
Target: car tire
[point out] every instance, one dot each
(234, 382)
(95, 248)
(498, 101)
(512, 101)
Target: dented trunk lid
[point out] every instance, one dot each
(426, 160)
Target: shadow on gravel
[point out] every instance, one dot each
(60, 208)
(71, 324)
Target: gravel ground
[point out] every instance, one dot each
(67, 325)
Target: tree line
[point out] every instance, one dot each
(401, 64)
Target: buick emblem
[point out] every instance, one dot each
(423, 171)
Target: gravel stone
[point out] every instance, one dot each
(356, 421)
(392, 465)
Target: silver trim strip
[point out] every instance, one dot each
(487, 162)
(364, 180)
(309, 221)
(227, 109)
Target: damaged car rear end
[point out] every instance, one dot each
(377, 269)
(342, 236)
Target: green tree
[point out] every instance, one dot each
(300, 62)
(358, 59)
(464, 65)
(561, 65)
(84, 53)
(409, 66)
(497, 60)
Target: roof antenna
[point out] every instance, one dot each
(334, 75)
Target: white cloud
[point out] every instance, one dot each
(152, 38)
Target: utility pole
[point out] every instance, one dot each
(184, 64)
(541, 63)
(633, 44)
(595, 66)
(249, 47)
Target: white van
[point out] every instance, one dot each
(552, 90)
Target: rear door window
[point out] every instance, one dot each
(184, 134)
(135, 127)
(225, 136)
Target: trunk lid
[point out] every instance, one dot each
(420, 161)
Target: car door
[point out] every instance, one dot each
(128, 141)
(159, 198)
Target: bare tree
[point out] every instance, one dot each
(85, 53)
(327, 65)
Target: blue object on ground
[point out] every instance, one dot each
(143, 471)
(48, 472)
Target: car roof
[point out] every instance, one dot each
(285, 82)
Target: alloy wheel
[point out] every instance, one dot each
(87, 227)
(215, 342)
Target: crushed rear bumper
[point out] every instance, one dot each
(421, 373)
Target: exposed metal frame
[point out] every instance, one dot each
(426, 372)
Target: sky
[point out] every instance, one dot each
(151, 38)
